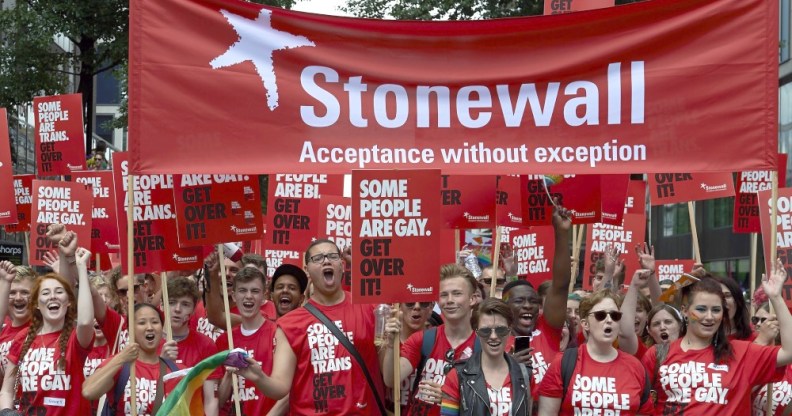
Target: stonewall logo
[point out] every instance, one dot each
(476, 218)
(5, 214)
(112, 246)
(713, 188)
(609, 216)
(240, 231)
(514, 218)
(181, 260)
(74, 167)
(419, 290)
(589, 214)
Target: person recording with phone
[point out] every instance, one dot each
(491, 381)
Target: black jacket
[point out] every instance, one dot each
(473, 397)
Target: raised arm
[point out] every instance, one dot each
(646, 258)
(103, 379)
(628, 340)
(554, 308)
(7, 276)
(215, 308)
(773, 285)
(277, 385)
(85, 304)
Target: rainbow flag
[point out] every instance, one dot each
(186, 399)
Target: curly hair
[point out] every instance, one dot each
(37, 320)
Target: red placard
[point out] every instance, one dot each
(624, 237)
(468, 201)
(213, 209)
(60, 140)
(397, 222)
(784, 232)
(64, 203)
(156, 247)
(636, 198)
(630, 89)
(746, 206)
(8, 209)
(293, 212)
(23, 195)
(533, 253)
(568, 6)
(672, 269)
(335, 221)
(673, 188)
(614, 192)
(104, 231)
(508, 202)
(580, 194)
(537, 203)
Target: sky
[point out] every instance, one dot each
(320, 6)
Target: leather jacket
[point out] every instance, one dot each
(474, 399)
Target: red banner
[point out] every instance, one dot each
(673, 188)
(64, 203)
(397, 223)
(330, 94)
(156, 247)
(60, 140)
(672, 269)
(746, 206)
(567, 6)
(624, 237)
(104, 224)
(23, 195)
(8, 210)
(468, 201)
(784, 233)
(533, 253)
(213, 209)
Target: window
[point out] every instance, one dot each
(108, 89)
(783, 28)
(675, 220)
(102, 127)
(719, 212)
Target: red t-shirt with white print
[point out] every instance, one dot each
(200, 323)
(327, 379)
(7, 338)
(782, 395)
(614, 387)
(43, 387)
(690, 383)
(546, 342)
(435, 363)
(146, 377)
(500, 400)
(260, 345)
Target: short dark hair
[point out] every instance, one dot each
(182, 286)
(514, 283)
(493, 306)
(316, 243)
(253, 259)
(247, 274)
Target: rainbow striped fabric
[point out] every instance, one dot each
(186, 399)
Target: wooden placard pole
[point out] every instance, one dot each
(693, 231)
(773, 254)
(754, 244)
(224, 279)
(131, 285)
(496, 236)
(166, 306)
(397, 367)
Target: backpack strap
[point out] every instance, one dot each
(567, 368)
(428, 343)
(647, 390)
(164, 364)
(109, 409)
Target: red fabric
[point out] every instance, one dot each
(146, 377)
(546, 342)
(782, 395)
(723, 389)
(194, 348)
(642, 348)
(500, 400)
(671, 39)
(112, 325)
(596, 387)
(7, 336)
(43, 388)
(260, 345)
(268, 310)
(325, 367)
(435, 363)
(199, 322)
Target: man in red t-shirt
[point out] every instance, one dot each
(454, 341)
(310, 364)
(544, 328)
(15, 285)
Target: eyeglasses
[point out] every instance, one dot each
(500, 332)
(423, 305)
(600, 315)
(757, 320)
(320, 258)
(124, 291)
(449, 361)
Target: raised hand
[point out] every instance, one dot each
(68, 244)
(7, 271)
(562, 218)
(56, 232)
(646, 256)
(774, 283)
(83, 257)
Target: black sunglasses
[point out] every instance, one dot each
(423, 305)
(449, 361)
(500, 332)
(757, 320)
(600, 315)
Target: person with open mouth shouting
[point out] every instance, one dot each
(490, 382)
(665, 324)
(15, 285)
(45, 364)
(596, 378)
(705, 372)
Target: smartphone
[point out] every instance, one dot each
(522, 343)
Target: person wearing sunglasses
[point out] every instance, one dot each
(491, 382)
(453, 342)
(604, 380)
(707, 373)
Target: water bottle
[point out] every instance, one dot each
(472, 264)
(381, 315)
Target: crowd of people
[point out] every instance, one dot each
(614, 350)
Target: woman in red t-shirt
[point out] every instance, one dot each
(148, 367)
(604, 378)
(706, 373)
(45, 363)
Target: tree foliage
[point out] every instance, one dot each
(442, 9)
